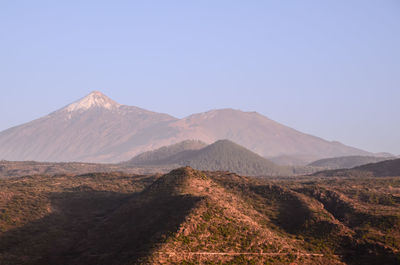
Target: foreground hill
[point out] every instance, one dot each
(223, 155)
(193, 217)
(98, 129)
(347, 161)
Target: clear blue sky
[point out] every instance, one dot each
(328, 68)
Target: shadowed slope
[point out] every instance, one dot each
(43, 217)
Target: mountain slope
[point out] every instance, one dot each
(97, 129)
(347, 161)
(259, 134)
(223, 155)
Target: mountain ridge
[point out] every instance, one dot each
(345, 162)
(97, 129)
(386, 168)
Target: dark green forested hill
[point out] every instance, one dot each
(222, 155)
(226, 155)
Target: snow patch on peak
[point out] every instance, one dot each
(94, 99)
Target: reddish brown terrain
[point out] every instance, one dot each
(199, 217)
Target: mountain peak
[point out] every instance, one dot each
(94, 99)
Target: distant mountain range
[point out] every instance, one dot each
(98, 129)
(347, 161)
(387, 168)
(381, 169)
(223, 155)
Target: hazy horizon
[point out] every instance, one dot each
(329, 69)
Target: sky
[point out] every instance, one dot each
(327, 68)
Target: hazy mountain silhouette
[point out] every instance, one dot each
(97, 129)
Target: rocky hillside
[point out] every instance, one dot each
(192, 217)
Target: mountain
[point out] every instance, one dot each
(259, 134)
(223, 155)
(193, 217)
(346, 161)
(97, 129)
(93, 129)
